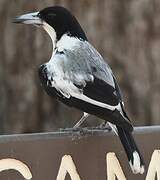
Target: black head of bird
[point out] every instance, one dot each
(56, 17)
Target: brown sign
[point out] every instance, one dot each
(88, 155)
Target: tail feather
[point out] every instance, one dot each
(135, 159)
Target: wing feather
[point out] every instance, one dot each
(100, 91)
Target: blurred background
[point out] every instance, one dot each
(126, 33)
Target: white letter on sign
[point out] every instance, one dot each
(6, 164)
(113, 168)
(154, 166)
(67, 165)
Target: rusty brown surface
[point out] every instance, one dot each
(43, 152)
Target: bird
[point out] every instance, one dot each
(78, 76)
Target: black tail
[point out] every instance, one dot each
(133, 154)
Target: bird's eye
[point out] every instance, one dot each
(38, 15)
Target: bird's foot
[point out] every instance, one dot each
(73, 130)
(70, 129)
(85, 130)
(104, 126)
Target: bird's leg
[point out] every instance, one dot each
(76, 127)
(83, 118)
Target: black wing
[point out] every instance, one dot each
(102, 92)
